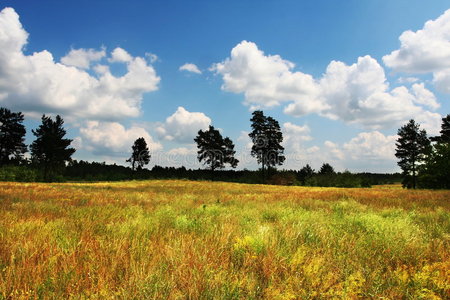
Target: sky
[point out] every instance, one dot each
(340, 76)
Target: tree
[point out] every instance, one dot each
(214, 150)
(140, 154)
(435, 173)
(12, 136)
(305, 173)
(413, 146)
(326, 169)
(50, 149)
(267, 137)
(445, 131)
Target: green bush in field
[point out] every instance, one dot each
(18, 173)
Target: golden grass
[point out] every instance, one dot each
(173, 239)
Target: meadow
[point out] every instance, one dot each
(175, 239)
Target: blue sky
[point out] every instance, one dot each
(340, 76)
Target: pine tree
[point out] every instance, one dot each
(445, 131)
(267, 137)
(326, 169)
(12, 136)
(435, 173)
(214, 150)
(413, 146)
(50, 149)
(305, 173)
(140, 155)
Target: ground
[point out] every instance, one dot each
(180, 239)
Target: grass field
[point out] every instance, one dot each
(210, 240)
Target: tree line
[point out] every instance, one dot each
(50, 150)
(425, 161)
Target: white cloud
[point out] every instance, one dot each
(371, 146)
(403, 80)
(265, 80)
(424, 96)
(294, 136)
(183, 126)
(423, 51)
(120, 55)
(367, 152)
(441, 80)
(82, 58)
(112, 138)
(356, 94)
(37, 84)
(190, 68)
(153, 57)
(182, 151)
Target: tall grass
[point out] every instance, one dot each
(210, 240)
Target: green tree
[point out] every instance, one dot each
(326, 169)
(435, 173)
(12, 136)
(305, 173)
(445, 131)
(214, 150)
(267, 137)
(413, 146)
(50, 151)
(140, 155)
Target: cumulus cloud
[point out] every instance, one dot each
(182, 126)
(356, 94)
(403, 80)
(82, 58)
(120, 55)
(190, 68)
(36, 83)
(371, 146)
(375, 149)
(441, 80)
(425, 51)
(294, 136)
(265, 80)
(112, 138)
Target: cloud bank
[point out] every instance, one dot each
(37, 83)
(355, 94)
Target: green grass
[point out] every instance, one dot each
(205, 240)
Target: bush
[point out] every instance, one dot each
(283, 178)
(18, 173)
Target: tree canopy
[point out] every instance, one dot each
(326, 169)
(12, 136)
(51, 150)
(435, 173)
(140, 155)
(267, 137)
(413, 146)
(445, 131)
(214, 150)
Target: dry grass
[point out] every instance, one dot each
(209, 240)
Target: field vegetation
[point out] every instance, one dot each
(175, 239)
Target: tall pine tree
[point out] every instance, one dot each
(50, 151)
(445, 131)
(12, 136)
(435, 173)
(267, 137)
(140, 155)
(413, 146)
